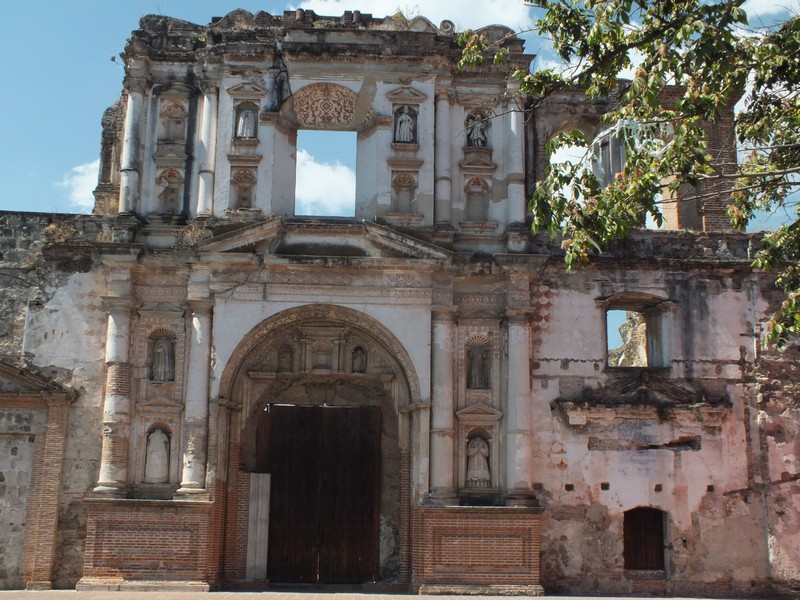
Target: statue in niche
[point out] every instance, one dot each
(156, 466)
(359, 360)
(478, 474)
(162, 363)
(478, 367)
(246, 124)
(277, 82)
(285, 356)
(404, 128)
(476, 135)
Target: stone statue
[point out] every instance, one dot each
(478, 368)
(246, 127)
(285, 356)
(277, 82)
(476, 136)
(156, 466)
(404, 128)
(478, 474)
(359, 360)
(162, 364)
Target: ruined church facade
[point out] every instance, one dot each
(201, 388)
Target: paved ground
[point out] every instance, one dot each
(72, 595)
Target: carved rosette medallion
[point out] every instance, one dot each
(323, 104)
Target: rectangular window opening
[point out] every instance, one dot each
(326, 174)
(626, 338)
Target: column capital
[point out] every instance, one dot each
(445, 314)
(445, 94)
(117, 304)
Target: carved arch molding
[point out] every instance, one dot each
(323, 339)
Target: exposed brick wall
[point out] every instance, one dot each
(140, 540)
(475, 546)
(235, 542)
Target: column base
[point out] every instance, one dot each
(442, 497)
(110, 490)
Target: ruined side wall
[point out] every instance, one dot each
(595, 459)
(51, 321)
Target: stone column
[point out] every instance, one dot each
(442, 490)
(519, 449)
(113, 477)
(196, 409)
(517, 200)
(129, 160)
(442, 208)
(206, 152)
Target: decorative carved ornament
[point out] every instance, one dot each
(322, 104)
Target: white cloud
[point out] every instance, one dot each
(774, 8)
(466, 14)
(324, 189)
(80, 183)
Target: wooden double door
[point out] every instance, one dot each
(324, 523)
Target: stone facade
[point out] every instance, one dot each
(149, 349)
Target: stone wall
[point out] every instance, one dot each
(18, 431)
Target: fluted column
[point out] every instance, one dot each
(517, 201)
(206, 152)
(519, 448)
(196, 408)
(113, 476)
(129, 159)
(443, 138)
(442, 490)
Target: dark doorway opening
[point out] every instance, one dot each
(644, 539)
(324, 523)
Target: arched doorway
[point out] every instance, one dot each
(319, 443)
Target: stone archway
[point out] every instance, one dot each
(316, 356)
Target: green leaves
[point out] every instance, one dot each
(693, 64)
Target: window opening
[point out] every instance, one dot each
(626, 339)
(326, 173)
(643, 539)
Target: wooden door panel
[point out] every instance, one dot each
(294, 462)
(350, 509)
(325, 492)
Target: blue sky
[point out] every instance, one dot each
(58, 77)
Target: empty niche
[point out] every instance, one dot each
(243, 185)
(477, 199)
(404, 186)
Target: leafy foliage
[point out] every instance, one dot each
(694, 60)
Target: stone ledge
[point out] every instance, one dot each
(481, 590)
(115, 584)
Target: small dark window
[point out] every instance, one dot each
(644, 539)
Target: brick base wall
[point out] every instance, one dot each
(137, 543)
(493, 549)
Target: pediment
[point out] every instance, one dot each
(406, 95)
(247, 90)
(161, 309)
(478, 159)
(643, 387)
(314, 238)
(479, 412)
(159, 405)
(170, 154)
(20, 380)
(478, 314)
